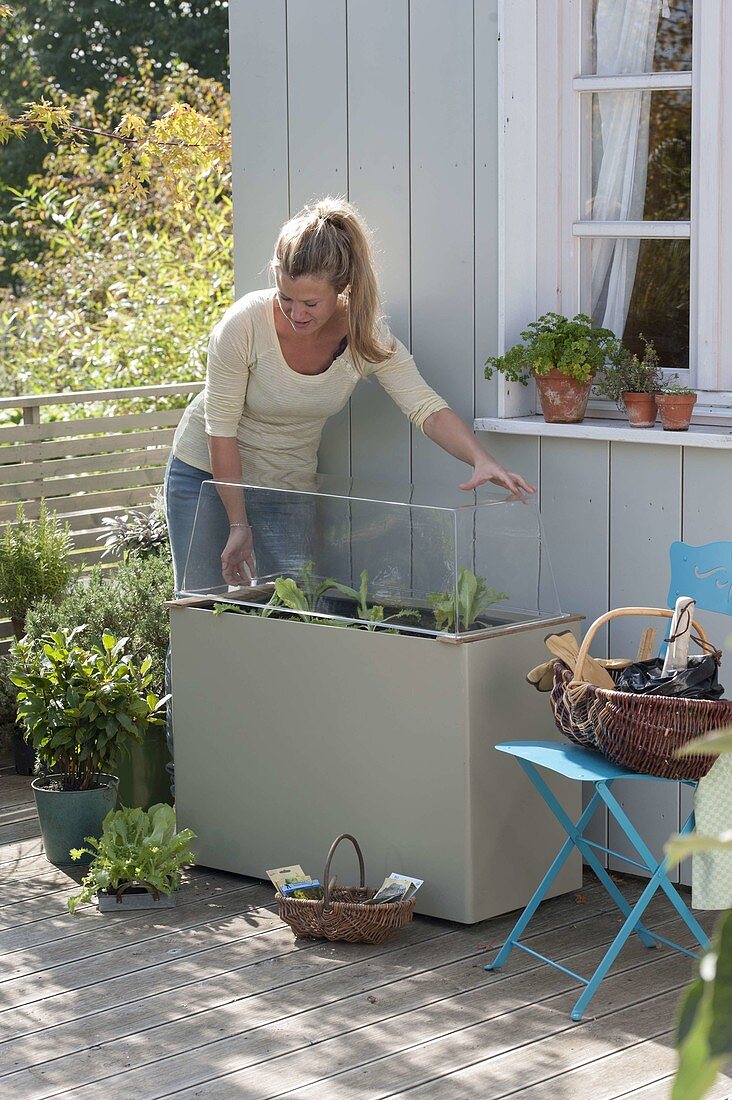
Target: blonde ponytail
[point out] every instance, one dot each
(330, 240)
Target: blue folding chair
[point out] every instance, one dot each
(705, 573)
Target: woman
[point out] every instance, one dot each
(282, 361)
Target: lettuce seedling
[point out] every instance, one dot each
(373, 615)
(135, 846)
(472, 598)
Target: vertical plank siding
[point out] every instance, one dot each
(443, 214)
(260, 165)
(485, 64)
(317, 73)
(379, 172)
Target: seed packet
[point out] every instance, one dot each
(304, 891)
(283, 876)
(395, 888)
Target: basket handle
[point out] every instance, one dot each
(326, 872)
(657, 612)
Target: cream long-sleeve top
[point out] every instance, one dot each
(275, 414)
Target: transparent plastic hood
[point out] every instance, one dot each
(384, 557)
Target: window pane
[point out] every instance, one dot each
(641, 156)
(634, 36)
(636, 287)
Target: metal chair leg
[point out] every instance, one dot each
(632, 923)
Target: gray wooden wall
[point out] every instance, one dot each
(393, 104)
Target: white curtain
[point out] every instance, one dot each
(625, 35)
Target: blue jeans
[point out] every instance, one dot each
(282, 528)
(182, 487)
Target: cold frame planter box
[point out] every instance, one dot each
(289, 733)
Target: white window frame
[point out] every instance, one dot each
(540, 91)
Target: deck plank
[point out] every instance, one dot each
(20, 811)
(661, 1090)
(439, 966)
(379, 1059)
(302, 981)
(21, 939)
(15, 789)
(271, 1055)
(216, 998)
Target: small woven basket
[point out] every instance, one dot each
(639, 732)
(340, 915)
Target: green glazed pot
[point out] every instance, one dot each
(68, 817)
(143, 778)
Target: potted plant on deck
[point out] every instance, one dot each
(126, 601)
(35, 564)
(563, 355)
(137, 861)
(675, 404)
(632, 383)
(80, 706)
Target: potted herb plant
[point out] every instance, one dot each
(80, 706)
(34, 562)
(563, 355)
(675, 404)
(137, 861)
(632, 383)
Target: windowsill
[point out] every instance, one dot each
(617, 431)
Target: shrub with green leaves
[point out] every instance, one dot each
(576, 348)
(138, 847)
(82, 705)
(8, 706)
(35, 563)
(472, 597)
(110, 290)
(139, 531)
(127, 601)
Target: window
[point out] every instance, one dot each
(634, 224)
(613, 145)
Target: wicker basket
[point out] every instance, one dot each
(340, 916)
(639, 732)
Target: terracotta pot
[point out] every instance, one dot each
(675, 410)
(641, 409)
(563, 399)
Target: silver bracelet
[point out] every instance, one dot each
(238, 525)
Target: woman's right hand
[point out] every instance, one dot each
(237, 560)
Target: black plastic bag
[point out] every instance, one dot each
(698, 681)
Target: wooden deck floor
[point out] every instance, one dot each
(215, 999)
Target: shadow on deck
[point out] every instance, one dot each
(216, 999)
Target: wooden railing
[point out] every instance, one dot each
(88, 467)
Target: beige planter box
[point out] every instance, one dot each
(289, 733)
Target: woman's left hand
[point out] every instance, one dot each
(487, 469)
